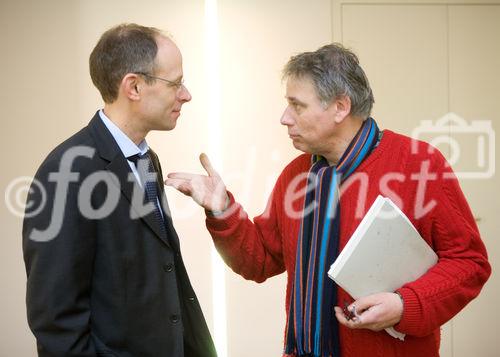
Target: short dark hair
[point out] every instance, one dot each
(334, 71)
(126, 48)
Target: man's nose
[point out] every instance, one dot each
(286, 117)
(184, 94)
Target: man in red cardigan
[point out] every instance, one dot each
(319, 200)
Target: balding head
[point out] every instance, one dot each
(126, 48)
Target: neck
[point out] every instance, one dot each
(125, 120)
(347, 130)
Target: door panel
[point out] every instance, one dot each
(474, 95)
(405, 62)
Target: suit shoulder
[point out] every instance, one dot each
(79, 145)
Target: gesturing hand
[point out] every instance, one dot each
(374, 312)
(208, 191)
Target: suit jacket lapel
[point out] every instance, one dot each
(174, 238)
(109, 150)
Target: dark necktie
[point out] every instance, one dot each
(148, 176)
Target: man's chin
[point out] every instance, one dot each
(166, 126)
(171, 122)
(171, 125)
(298, 145)
(301, 147)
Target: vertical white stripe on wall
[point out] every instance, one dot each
(215, 154)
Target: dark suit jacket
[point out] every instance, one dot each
(111, 285)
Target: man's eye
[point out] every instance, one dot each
(177, 84)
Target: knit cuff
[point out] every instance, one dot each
(411, 320)
(221, 212)
(225, 220)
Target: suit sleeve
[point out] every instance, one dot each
(58, 246)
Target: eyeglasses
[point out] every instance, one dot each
(177, 84)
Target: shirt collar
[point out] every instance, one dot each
(127, 146)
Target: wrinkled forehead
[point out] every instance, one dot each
(300, 79)
(301, 85)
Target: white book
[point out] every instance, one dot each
(384, 253)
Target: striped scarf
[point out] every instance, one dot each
(312, 329)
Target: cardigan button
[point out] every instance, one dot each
(174, 319)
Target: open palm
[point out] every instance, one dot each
(208, 190)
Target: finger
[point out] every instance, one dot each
(182, 175)
(386, 312)
(179, 185)
(369, 316)
(341, 318)
(207, 165)
(364, 303)
(339, 314)
(174, 182)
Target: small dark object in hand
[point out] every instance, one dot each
(349, 315)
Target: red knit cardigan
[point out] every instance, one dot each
(418, 179)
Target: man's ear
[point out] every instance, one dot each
(343, 108)
(131, 87)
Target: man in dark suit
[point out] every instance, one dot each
(105, 273)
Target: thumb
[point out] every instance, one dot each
(207, 165)
(364, 303)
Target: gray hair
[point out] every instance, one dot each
(126, 48)
(335, 72)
